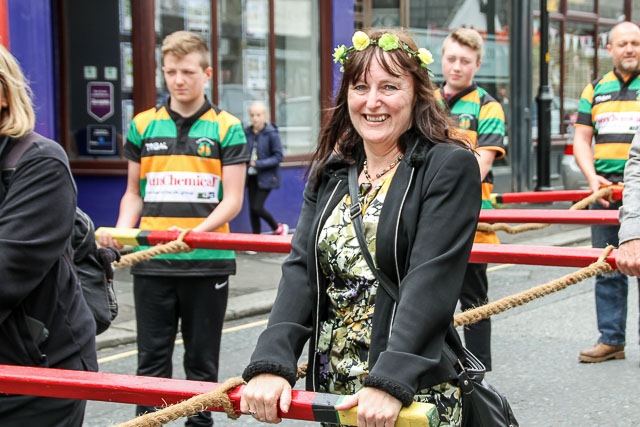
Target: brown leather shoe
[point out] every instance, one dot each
(601, 352)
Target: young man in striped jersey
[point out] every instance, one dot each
(187, 166)
(481, 118)
(609, 111)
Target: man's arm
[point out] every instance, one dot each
(628, 255)
(233, 194)
(130, 206)
(584, 158)
(485, 161)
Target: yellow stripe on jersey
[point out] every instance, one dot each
(224, 120)
(615, 107)
(611, 150)
(143, 119)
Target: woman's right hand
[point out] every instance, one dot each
(262, 396)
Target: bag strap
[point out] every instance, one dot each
(453, 349)
(15, 150)
(356, 218)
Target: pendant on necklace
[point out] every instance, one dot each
(365, 187)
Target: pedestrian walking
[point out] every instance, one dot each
(187, 166)
(263, 173)
(609, 111)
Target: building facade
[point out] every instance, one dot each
(93, 65)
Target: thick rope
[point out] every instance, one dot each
(601, 193)
(198, 403)
(173, 247)
(479, 313)
(501, 226)
(582, 204)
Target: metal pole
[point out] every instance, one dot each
(520, 76)
(544, 99)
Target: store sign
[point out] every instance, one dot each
(100, 100)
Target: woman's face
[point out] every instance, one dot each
(380, 107)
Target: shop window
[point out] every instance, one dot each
(580, 6)
(605, 63)
(176, 15)
(385, 13)
(432, 21)
(613, 9)
(297, 75)
(243, 55)
(577, 68)
(99, 69)
(580, 46)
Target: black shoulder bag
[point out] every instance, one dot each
(92, 265)
(482, 404)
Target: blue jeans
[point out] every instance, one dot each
(611, 289)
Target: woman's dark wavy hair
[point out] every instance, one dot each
(430, 121)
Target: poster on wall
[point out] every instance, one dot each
(100, 100)
(126, 59)
(256, 72)
(101, 139)
(257, 13)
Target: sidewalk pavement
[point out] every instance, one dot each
(253, 289)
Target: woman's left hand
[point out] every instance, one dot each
(375, 407)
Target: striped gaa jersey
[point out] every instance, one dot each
(181, 161)
(481, 119)
(611, 107)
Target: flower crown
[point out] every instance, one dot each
(386, 42)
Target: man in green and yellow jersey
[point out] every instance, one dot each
(609, 111)
(481, 118)
(187, 166)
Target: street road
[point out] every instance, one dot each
(535, 351)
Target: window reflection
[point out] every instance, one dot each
(297, 75)
(580, 6)
(580, 46)
(613, 9)
(175, 15)
(243, 55)
(605, 63)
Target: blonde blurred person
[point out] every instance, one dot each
(263, 173)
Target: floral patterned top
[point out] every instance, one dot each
(345, 336)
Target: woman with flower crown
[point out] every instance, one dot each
(418, 191)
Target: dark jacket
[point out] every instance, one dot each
(44, 319)
(269, 155)
(423, 242)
